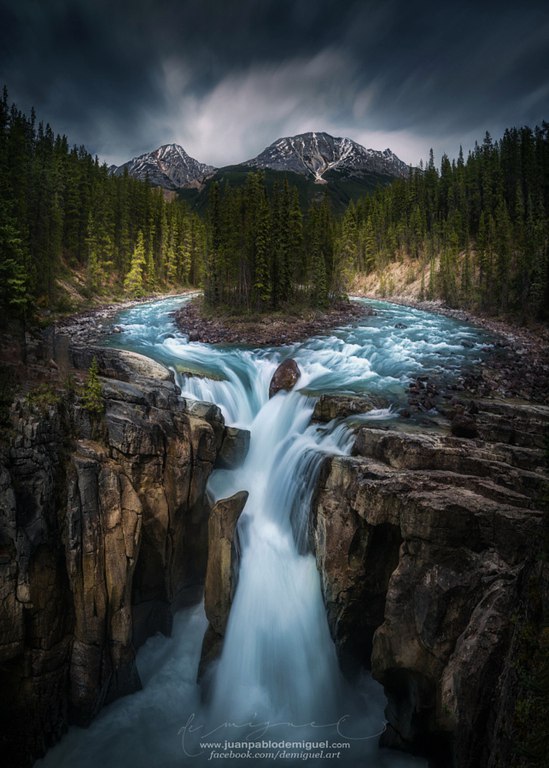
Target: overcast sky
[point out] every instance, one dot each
(225, 78)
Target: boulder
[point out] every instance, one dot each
(234, 448)
(119, 363)
(285, 377)
(329, 407)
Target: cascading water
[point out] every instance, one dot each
(278, 659)
(277, 678)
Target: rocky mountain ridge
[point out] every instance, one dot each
(317, 156)
(168, 167)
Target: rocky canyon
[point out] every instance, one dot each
(429, 539)
(103, 536)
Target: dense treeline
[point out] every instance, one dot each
(477, 228)
(61, 212)
(264, 253)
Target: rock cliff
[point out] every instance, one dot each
(103, 535)
(426, 545)
(221, 573)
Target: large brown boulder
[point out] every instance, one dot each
(285, 377)
(330, 407)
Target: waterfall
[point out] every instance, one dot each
(277, 679)
(278, 675)
(278, 658)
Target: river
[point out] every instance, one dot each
(277, 683)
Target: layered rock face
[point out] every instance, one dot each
(425, 544)
(103, 535)
(221, 574)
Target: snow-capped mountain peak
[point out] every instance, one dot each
(169, 167)
(314, 154)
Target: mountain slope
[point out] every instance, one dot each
(169, 167)
(340, 188)
(318, 154)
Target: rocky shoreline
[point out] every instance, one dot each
(272, 329)
(516, 366)
(91, 326)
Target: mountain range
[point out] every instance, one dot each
(318, 157)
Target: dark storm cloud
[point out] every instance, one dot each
(226, 77)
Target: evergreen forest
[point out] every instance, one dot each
(475, 229)
(63, 214)
(478, 229)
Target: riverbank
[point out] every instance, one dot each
(517, 365)
(445, 521)
(90, 326)
(265, 329)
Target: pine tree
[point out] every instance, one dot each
(14, 280)
(262, 274)
(346, 257)
(92, 396)
(296, 268)
(134, 280)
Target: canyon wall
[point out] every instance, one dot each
(103, 535)
(428, 547)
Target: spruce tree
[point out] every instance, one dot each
(134, 280)
(92, 396)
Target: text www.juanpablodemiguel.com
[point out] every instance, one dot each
(274, 750)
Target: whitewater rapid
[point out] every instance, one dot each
(278, 678)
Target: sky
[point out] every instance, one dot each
(226, 78)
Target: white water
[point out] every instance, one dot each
(278, 676)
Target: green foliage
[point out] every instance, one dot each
(14, 278)
(264, 253)
(482, 224)
(341, 190)
(42, 397)
(92, 396)
(60, 208)
(269, 240)
(134, 281)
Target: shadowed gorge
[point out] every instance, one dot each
(350, 532)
